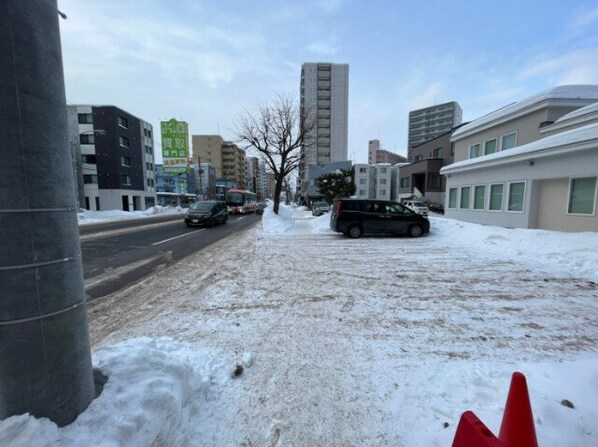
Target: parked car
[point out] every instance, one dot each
(208, 212)
(355, 217)
(320, 208)
(417, 206)
(260, 207)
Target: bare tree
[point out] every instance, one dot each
(277, 130)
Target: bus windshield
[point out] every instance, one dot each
(234, 198)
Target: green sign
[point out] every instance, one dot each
(175, 147)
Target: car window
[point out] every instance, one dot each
(201, 206)
(397, 208)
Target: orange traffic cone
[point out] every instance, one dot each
(517, 427)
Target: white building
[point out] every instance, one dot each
(532, 164)
(373, 181)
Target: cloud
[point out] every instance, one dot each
(323, 48)
(575, 67)
(582, 18)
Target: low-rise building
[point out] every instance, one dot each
(532, 164)
(373, 181)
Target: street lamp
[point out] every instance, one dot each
(78, 164)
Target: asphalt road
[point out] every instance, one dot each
(117, 254)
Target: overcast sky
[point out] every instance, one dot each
(206, 62)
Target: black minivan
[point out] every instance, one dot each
(355, 217)
(209, 212)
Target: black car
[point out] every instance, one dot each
(355, 217)
(206, 213)
(260, 207)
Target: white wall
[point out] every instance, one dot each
(576, 164)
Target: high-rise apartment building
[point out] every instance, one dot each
(116, 154)
(325, 96)
(430, 122)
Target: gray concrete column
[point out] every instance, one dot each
(45, 357)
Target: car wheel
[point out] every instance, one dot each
(355, 231)
(416, 230)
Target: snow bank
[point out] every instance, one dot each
(277, 223)
(89, 217)
(153, 385)
(558, 253)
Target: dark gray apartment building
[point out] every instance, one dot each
(116, 153)
(430, 122)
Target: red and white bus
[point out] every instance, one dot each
(240, 201)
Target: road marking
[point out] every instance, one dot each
(180, 235)
(109, 233)
(240, 218)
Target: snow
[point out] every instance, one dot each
(379, 341)
(587, 110)
(589, 92)
(91, 217)
(568, 138)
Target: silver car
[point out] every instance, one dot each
(320, 208)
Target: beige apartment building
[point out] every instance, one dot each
(227, 158)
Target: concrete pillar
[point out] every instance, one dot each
(45, 358)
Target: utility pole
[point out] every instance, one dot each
(45, 357)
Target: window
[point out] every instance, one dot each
(126, 180)
(91, 159)
(437, 153)
(516, 194)
(382, 170)
(148, 150)
(362, 170)
(382, 192)
(582, 196)
(419, 158)
(490, 146)
(124, 141)
(452, 203)
(404, 182)
(125, 161)
(383, 181)
(87, 139)
(496, 197)
(88, 179)
(434, 181)
(474, 150)
(464, 202)
(85, 118)
(362, 192)
(123, 122)
(362, 181)
(479, 195)
(508, 141)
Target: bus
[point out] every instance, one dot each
(240, 201)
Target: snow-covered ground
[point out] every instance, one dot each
(378, 341)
